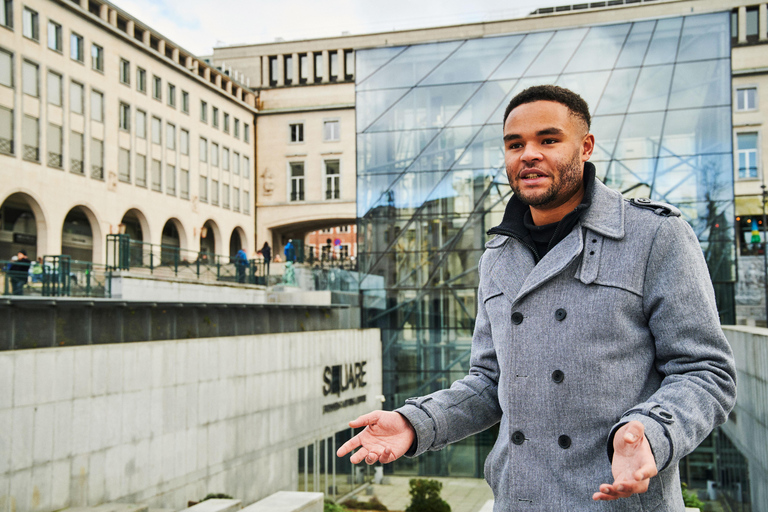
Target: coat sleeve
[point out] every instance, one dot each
(470, 405)
(698, 389)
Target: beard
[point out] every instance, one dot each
(565, 183)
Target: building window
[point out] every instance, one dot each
(76, 47)
(6, 13)
(184, 142)
(214, 193)
(235, 199)
(29, 24)
(349, 64)
(215, 117)
(184, 184)
(332, 179)
(333, 70)
(76, 91)
(141, 124)
(97, 106)
(170, 136)
(273, 71)
(141, 80)
(76, 153)
(203, 111)
(246, 167)
(746, 98)
(6, 68)
(54, 36)
(157, 87)
(343, 229)
(171, 95)
(297, 132)
(297, 181)
(226, 122)
(214, 154)
(125, 72)
(185, 102)
(303, 68)
(141, 171)
(237, 128)
(318, 66)
(54, 88)
(125, 117)
(157, 126)
(97, 159)
(124, 165)
(203, 150)
(331, 130)
(246, 132)
(157, 175)
(236, 163)
(170, 180)
(753, 15)
(224, 195)
(6, 131)
(29, 79)
(288, 69)
(97, 57)
(225, 159)
(246, 202)
(55, 138)
(203, 193)
(746, 144)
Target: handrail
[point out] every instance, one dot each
(58, 276)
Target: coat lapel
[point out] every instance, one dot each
(511, 268)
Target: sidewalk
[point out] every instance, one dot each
(462, 494)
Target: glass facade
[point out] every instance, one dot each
(431, 178)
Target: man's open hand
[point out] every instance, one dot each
(633, 464)
(387, 436)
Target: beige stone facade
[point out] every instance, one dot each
(107, 127)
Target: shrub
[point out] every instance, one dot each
(374, 504)
(690, 499)
(219, 496)
(425, 496)
(330, 506)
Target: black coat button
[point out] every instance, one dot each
(518, 437)
(564, 442)
(560, 314)
(558, 376)
(517, 318)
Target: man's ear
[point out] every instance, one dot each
(587, 147)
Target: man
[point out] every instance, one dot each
(18, 272)
(597, 343)
(241, 263)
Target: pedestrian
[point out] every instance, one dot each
(266, 251)
(18, 272)
(597, 342)
(289, 251)
(37, 270)
(241, 264)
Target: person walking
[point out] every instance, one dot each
(241, 264)
(266, 251)
(19, 272)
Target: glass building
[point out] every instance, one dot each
(431, 178)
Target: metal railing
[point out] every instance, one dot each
(57, 276)
(124, 253)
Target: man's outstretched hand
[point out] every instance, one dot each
(387, 436)
(633, 464)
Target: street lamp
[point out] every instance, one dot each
(765, 253)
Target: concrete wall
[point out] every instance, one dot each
(748, 425)
(170, 421)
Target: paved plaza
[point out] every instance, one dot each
(462, 494)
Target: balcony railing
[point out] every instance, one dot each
(55, 159)
(6, 146)
(76, 166)
(57, 276)
(31, 153)
(97, 172)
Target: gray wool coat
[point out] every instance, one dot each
(616, 323)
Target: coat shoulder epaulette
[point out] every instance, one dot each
(657, 207)
(496, 242)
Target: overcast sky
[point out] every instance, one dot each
(199, 25)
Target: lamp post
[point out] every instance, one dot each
(765, 253)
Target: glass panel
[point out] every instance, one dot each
(617, 94)
(557, 53)
(688, 132)
(603, 41)
(701, 84)
(652, 89)
(663, 47)
(372, 60)
(486, 101)
(634, 49)
(410, 66)
(390, 151)
(443, 151)
(474, 61)
(369, 105)
(640, 136)
(518, 62)
(705, 37)
(606, 130)
(587, 85)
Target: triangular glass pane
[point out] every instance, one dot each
(606, 130)
(519, 87)
(425, 107)
(369, 105)
(689, 132)
(634, 49)
(474, 61)
(705, 37)
(617, 94)
(652, 89)
(485, 101)
(387, 152)
(517, 63)
(444, 150)
(409, 67)
(663, 47)
(369, 61)
(701, 84)
(557, 53)
(640, 136)
(606, 42)
(485, 151)
(587, 85)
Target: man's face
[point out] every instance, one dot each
(545, 148)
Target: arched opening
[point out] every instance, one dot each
(235, 242)
(171, 242)
(208, 239)
(18, 227)
(134, 225)
(77, 235)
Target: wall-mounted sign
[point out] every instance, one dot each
(340, 377)
(335, 406)
(24, 239)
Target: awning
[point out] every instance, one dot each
(749, 205)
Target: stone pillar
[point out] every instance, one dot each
(326, 67)
(340, 76)
(311, 69)
(146, 38)
(229, 86)
(207, 74)
(280, 70)
(161, 47)
(84, 5)
(129, 28)
(295, 65)
(188, 62)
(742, 23)
(265, 71)
(217, 80)
(175, 55)
(113, 17)
(762, 28)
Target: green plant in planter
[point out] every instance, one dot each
(425, 496)
(690, 499)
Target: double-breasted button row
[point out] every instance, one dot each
(558, 376)
(517, 317)
(563, 441)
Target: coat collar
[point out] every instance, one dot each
(606, 214)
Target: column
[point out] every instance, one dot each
(265, 70)
(311, 69)
(326, 66)
(280, 70)
(742, 23)
(295, 66)
(762, 28)
(129, 28)
(340, 70)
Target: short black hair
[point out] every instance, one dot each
(23, 251)
(567, 97)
